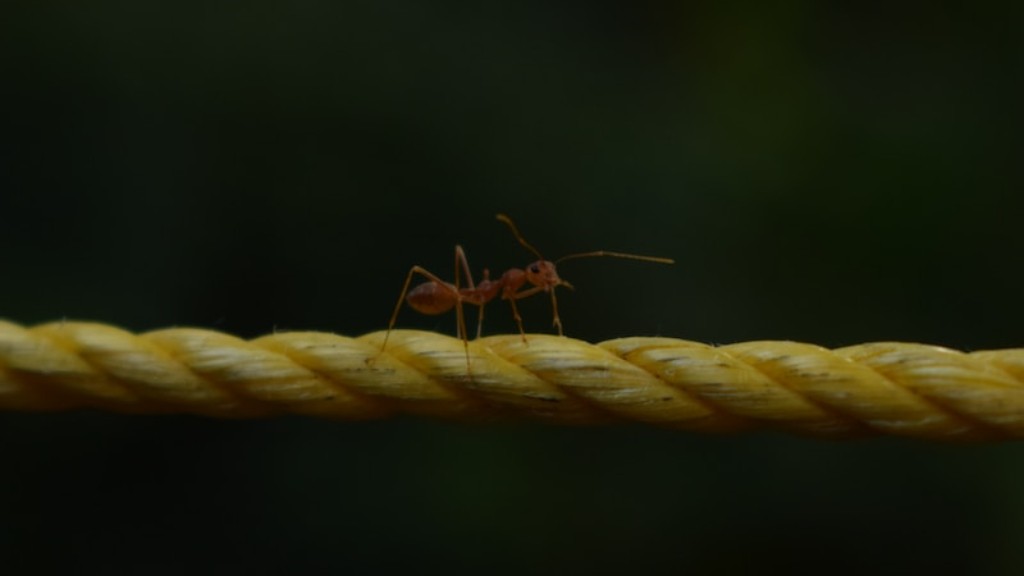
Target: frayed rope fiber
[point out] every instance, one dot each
(889, 388)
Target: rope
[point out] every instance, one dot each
(880, 388)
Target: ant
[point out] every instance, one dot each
(435, 296)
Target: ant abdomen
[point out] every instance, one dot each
(431, 298)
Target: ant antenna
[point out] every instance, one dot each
(656, 259)
(519, 236)
(596, 253)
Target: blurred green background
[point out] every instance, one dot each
(824, 172)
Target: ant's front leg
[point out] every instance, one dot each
(518, 318)
(512, 297)
(556, 320)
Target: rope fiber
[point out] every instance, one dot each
(891, 388)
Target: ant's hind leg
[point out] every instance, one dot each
(460, 260)
(401, 297)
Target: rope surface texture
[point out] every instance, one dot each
(879, 388)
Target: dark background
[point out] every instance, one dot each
(824, 172)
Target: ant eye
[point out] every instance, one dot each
(535, 269)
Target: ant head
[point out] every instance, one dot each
(543, 273)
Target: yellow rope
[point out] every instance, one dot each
(888, 388)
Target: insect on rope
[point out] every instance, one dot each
(436, 296)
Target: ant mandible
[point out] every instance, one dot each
(435, 296)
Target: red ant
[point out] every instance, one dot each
(437, 296)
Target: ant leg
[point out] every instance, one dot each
(401, 297)
(480, 322)
(512, 297)
(554, 310)
(462, 331)
(486, 281)
(460, 257)
(556, 320)
(518, 318)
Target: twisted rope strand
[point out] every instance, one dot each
(880, 388)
